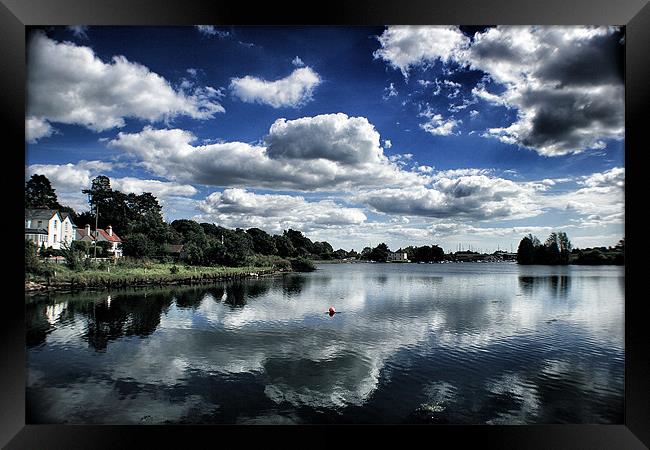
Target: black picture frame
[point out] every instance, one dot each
(15, 15)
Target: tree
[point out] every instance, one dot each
(551, 251)
(526, 250)
(379, 253)
(39, 193)
(284, 246)
(565, 247)
(138, 245)
(302, 244)
(426, 253)
(263, 243)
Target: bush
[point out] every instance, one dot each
(282, 264)
(173, 270)
(32, 263)
(302, 265)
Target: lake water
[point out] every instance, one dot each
(421, 343)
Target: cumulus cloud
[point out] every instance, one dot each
(292, 91)
(335, 137)
(325, 152)
(70, 84)
(563, 105)
(159, 188)
(297, 62)
(36, 129)
(406, 46)
(274, 213)
(476, 197)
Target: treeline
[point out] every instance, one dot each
(425, 253)
(558, 250)
(600, 255)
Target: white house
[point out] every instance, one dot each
(48, 227)
(100, 236)
(397, 256)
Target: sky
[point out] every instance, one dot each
(464, 137)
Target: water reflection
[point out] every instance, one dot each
(428, 343)
(558, 285)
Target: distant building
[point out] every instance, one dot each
(49, 228)
(100, 235)
(397, 256)
(176, 251)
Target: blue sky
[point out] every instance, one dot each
(354, 135)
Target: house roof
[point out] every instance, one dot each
(35, 231)
(113, 238)
(43, 214)
(103, 235)
(173, 248)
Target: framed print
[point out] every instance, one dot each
(256, 218)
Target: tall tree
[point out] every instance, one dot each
(39, 193)
(565, 247)
(526, 250)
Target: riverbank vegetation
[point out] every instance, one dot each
(558, 250)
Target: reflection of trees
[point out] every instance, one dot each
(236, 295)
(126, 316)
(557, 285)
(190, 298)
(293, 284)
(256, 288)
(37, 324)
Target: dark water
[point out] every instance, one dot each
(440, 343)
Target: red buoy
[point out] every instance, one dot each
(332, 310)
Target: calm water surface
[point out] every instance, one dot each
(439, 343)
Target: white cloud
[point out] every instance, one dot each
(36, 129)
(79, 31)
(335, 137)
(274, 213)
(603, 194)
(291, 91)
(69, 84)
(438, 125)
(158, 188)
(388, 143)
(406, 46)
(389, 92)
(326, 152)
(211, 30)
(297, 62)
(476, 197)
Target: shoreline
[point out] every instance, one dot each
(78, 282)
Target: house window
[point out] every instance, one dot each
(40, 223)
(55, 224)
(55, 238)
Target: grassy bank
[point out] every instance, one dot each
(60, 277)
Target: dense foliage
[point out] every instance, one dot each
(557, 250)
